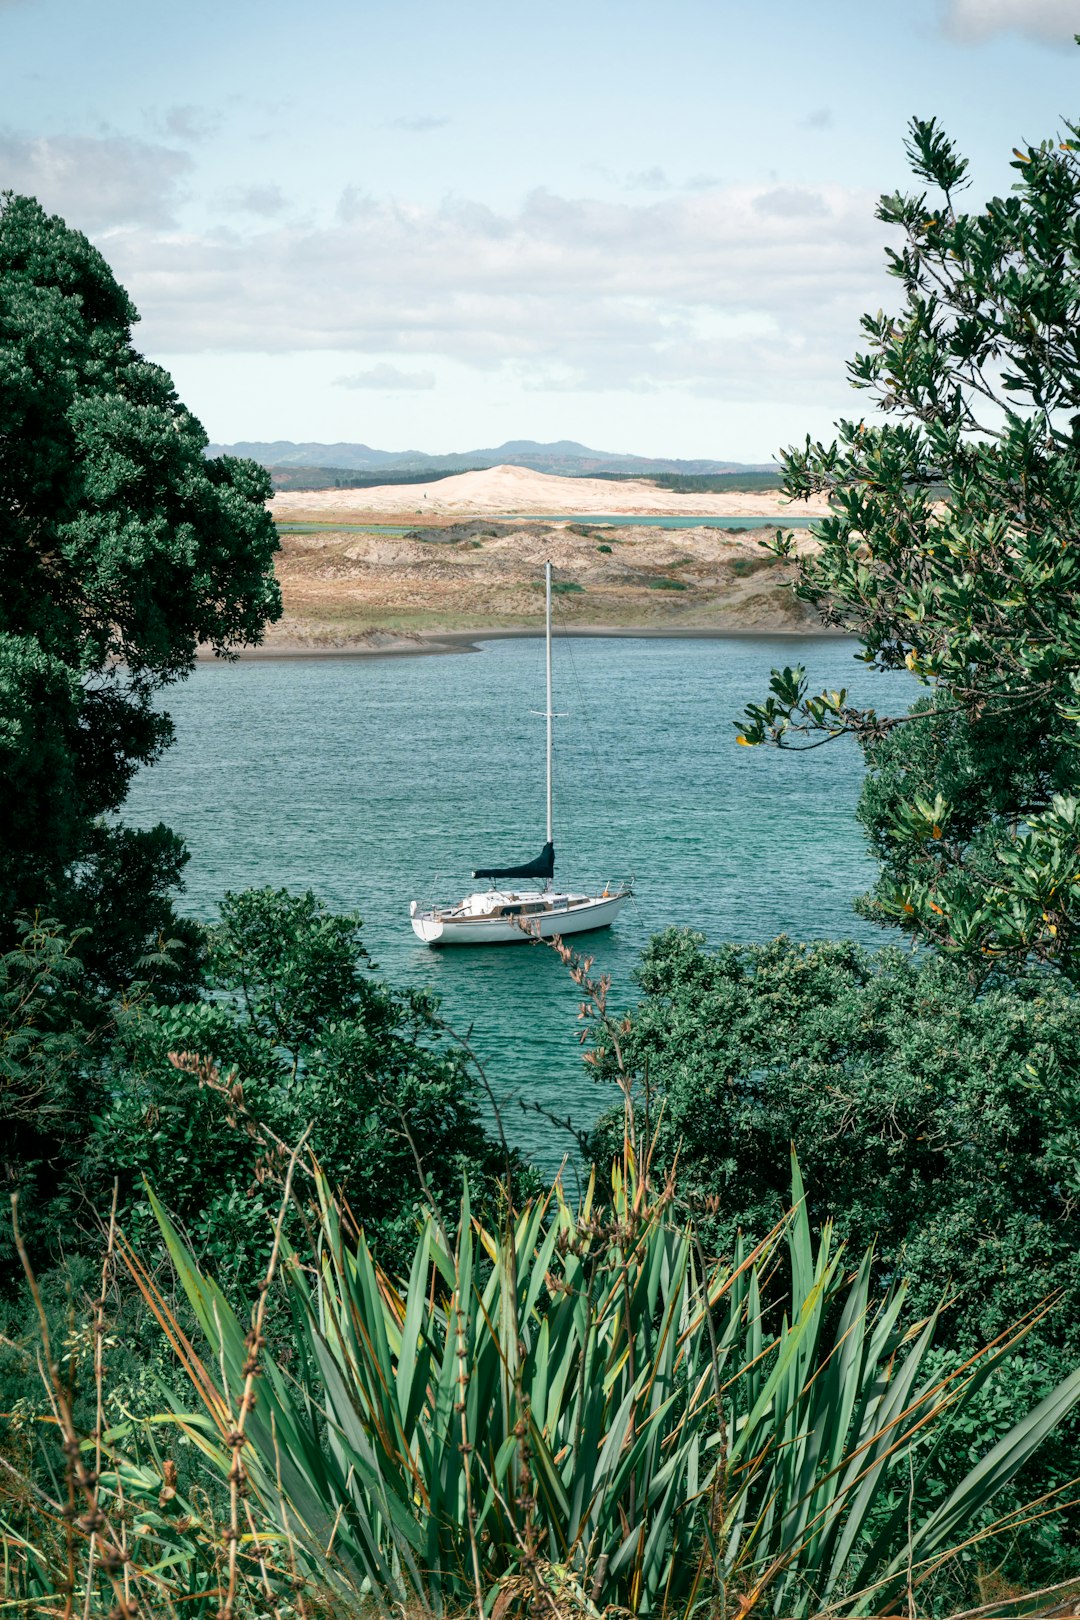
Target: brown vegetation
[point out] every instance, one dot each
(350, 588)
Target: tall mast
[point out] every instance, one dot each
(548, 715)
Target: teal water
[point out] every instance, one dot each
(622, 521)
(334, 528)
(608, 520)
(377, 780)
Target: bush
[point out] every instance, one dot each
(561, 587)
(744, 567)
(295, 1034)
(938, 1123)
(571, 1412)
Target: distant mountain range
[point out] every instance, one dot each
(565, 457)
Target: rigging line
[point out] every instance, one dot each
(603, 776)
(536, 676)
(538, 652)
(557, 613)
(636, 910)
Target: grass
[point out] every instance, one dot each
(327, 609)
(744, 567)
(353, 621)
(631, 1413)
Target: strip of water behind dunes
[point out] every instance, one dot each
(374, 781)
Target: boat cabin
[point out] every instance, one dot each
(496, 903)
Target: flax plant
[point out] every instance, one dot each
(579, 1413)
(116, 1536)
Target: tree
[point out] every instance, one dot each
(122, 549)
(936, 1123)
(295, 1034)
(48, 1087)
(951, 549)
(940, 1124)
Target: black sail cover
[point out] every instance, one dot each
(542, 867)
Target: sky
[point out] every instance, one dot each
(430, 226)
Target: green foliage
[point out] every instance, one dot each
(950, 549)
(561, 587)
(295, 1035)
(122, 549)
(48, 1084)
(938, 1124)
(715, 483)
(941, 1125)
(119, 899)
(579, 1404)
(744, 567)
(304, 478)
(940, 809)
(298, 1037)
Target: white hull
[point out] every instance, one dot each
(577, 916)
(513, 916)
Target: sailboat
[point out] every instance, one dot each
(506, 915)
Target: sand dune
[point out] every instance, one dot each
(518, 490)
(357, 590)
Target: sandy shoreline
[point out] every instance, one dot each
(436, 643)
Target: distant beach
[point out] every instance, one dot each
(507, 491)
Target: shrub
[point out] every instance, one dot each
(574, 1405)
(744, 567)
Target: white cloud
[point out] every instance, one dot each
(96, 182)
(739, 289)
(792, 202)
(385, 377)
(1053, 21)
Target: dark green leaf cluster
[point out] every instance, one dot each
(295, 1034)
(122, 549)
(950, 550)
(49, 1029)
(941, 1125)
(938, 1125)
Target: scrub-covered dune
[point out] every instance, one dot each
(353, 588)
